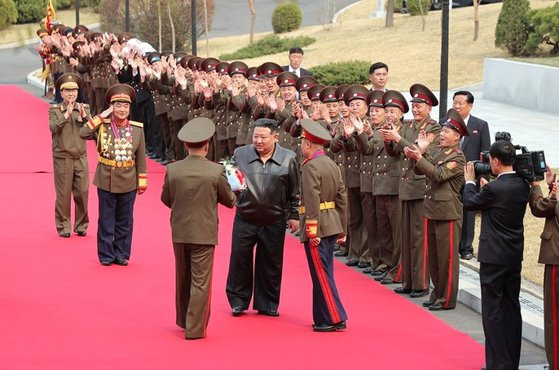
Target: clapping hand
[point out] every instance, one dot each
(550, 177)
(423, 141)
(348, 128)
(390, 134)
(280, 104)
(357, 123)
(412, 152)
(469, 173)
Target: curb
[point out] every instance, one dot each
(341, 11)
(34, 80)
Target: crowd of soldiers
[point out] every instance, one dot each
(385, 195)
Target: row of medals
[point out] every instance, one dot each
(122, 147)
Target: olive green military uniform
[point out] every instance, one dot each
(443, 220)
(71, 171)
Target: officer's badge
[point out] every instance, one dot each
(451, 165)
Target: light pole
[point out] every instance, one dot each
(444, 60)
(127, 15)
(77, 12)
(193, 21)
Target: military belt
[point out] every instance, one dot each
(119, 164)
(323, 206)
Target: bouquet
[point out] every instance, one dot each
(235, 177)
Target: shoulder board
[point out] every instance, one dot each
(137, 124)
(85, 105)
(53, 106)
(432, 122)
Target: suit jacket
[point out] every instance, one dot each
(479, 139)
(546, 207)
(503, 204)
(304, 72)
(321, 181)
(193, 188)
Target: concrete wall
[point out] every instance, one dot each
(528, 85)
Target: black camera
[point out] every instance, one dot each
(528, 165)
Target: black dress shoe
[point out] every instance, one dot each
(323, 328)
(388, 280)
(64, 235)
(81, 233)
(368, 270)
(341, 253)
(381, 277)
(237, 310)
(419, 293)
(467, 256)
(439, 307)
(273, 313)
(402, 290)
(340, 326)
(427, 304)
(363, 265)
(121, 262)
(336, 247)
(106, 263)
(352, 263)
(380, 270)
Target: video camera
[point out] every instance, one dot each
(528, 165)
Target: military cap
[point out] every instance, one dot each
(269, 70)
(68, 81)
(328, 94)
(286, 79)
(252, 74)
(222, 68)
(455, 122)
(237, 67)
(340, 91)
(183, 61)
(120, 93)
(422, 94)
(393, 98)
(374, 99)
(314, 132)
(153, 57)
(197, 130)
(208, 64)
(80, 28)
(76, 45)
(305, 82)
(198, 64)
(66, 31)
(57, 28)
(314, 92)
(180, 55)
(94, 35)
(42, 32)
(124, 36)
(355, 92)
(166, 53)
(192, 63)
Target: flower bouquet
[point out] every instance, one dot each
(235, 177)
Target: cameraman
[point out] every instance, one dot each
(546, 207)
(501, 244)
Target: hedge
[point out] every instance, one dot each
(338, 73)
(287, 17)
(268, 45)
(513, 27)
(8, 13)
(29, 11)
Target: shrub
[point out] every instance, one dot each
(29, 11)
(413, 7)
(513, 27)
(271, 44)
(544, 35)
(8, 13)
(62, 4)
(338, 73)
(287, 17)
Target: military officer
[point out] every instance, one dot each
(120, 175)
(193, 188)
(322, 217)
(69, 152)
(415, 269)
(442, 207)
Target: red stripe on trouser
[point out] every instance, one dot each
(554, 316)
(450, 262)
(324, 286)
(425, 232)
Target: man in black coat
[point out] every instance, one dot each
(501, 244)
(295, 61)
(478, 141)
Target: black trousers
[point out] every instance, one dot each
(500, 313)
(327, 308)
(268, 264)
(468, 228)
(114, 233)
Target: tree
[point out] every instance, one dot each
(252, 19)
(173, 37)
(544, 37)
(8, 13)
(513, 27)
(476, 19)
(389, 13)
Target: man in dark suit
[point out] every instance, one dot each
(193, 188)
(295, 61)
(478, 141)
(501, 244)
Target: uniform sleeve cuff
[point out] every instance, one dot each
(311, 228)
(142, 181)
(94, 122)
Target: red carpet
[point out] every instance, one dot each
(60, 309)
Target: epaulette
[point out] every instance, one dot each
(137, 124)
(53, 106)
(85, 105)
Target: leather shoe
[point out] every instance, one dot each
(237, 311)
(427, 304)
(387, 280)
(467, 256)
(368, 270)
(381, 277)
(64, 235)
(325, 327)
(341, 253)
(363, 265)
(336, 247)
(121, 262)
(419, 293)
(81, 233)
(273, 313)
(352, 263)
(340, 326)
(106, 263)
(402, 290)
(380, 270)
(439, 307)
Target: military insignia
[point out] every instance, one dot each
(440, 162)
(474, 132)
(416, 95)
(286, 80)
(451, 165)
(448, 151)
(305, 85)
(70, 78)
(236, 69)
(330, 95)
(375, 101)
(390, 100)
(269, 71)
(355, 94)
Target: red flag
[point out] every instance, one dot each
(51, 15)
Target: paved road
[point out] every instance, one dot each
(232, 17)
